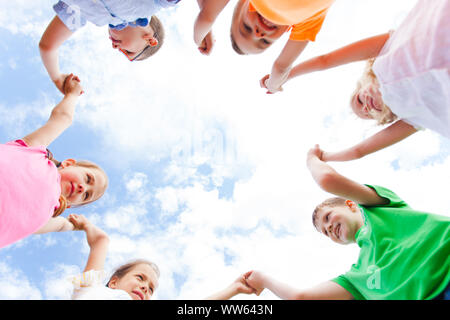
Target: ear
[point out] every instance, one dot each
(352, 205)
(113, 282)
(68, 162)
(151, 40)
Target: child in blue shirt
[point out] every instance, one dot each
(133, 28)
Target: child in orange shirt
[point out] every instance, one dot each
(257, 24)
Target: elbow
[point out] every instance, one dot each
(63, 117)
(327, 180)
(299, 295)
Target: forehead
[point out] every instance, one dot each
(147, 270)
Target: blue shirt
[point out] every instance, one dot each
(75, 13)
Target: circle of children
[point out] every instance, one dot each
(405, 254)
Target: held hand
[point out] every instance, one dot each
(207, 44)
(79, 222)
(315, 152)
(72, 85)
(241, 285)
(265, 83)
(255, 280)
(60, 81)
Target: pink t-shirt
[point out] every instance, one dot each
(413, 67)
(29, 190)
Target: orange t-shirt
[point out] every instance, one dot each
(304, 16)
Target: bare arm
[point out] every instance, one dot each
(331, 181)
(388, 136)
(57, 224)
(53, 37)
(324, 291)
(60, 118)
(97, 239)
(236, 287)
(282, 66)
(209, 11)
(357, 51)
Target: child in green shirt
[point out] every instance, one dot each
(405, 254)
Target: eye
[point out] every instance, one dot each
(247, 28)
(359, 100)
(86, 196)
(265, 41)
(140, 277)
(88, 178)
(151, 289)
(327, 217)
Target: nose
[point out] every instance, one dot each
(115, 45)
(259, 33)
(81, 188)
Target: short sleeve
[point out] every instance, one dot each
(307, 30)
(347, 285)
(394, 200)
(70, 15)
(167, 3)
(89, 278)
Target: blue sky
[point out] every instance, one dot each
(207, 174)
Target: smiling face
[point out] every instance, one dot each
(139, 282)
(81, 184)
(251, 33)
(132, 40)
(367, 101)
(339, 223)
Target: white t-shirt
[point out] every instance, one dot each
(90, 286)
(413, 67)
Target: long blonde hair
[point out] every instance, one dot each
(386, 115)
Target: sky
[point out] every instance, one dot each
(207, 173)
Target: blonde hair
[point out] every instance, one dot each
(159, 34)
(386, 115)
(81, 163)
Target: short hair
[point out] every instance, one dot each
(330, 202)
(124, 269)
(234, 45)
(159, 34)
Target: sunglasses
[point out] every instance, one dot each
(127, 54)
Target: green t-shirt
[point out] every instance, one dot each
(405, 254)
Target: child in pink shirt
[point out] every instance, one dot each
(34, 188)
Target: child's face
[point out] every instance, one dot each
(140, 282)
(252, 32)
(367, 102)
(340, 223)
(80, 185)
(132, 40)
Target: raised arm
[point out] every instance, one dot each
(388, 136)
(331, 181)
(53, 37)
(324, 291)
(236, 287)
(209, 10)
(97, 239)
(57, 224)
(357, 51)
(60, 118)
(282, 66)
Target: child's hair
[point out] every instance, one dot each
(330, 202)
(233, 41)
(81, 163)
(386, 115)
(124, 269)
(159, 34)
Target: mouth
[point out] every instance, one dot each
(72, 188)
(337, 231)
(266, 24)
(138, 294)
